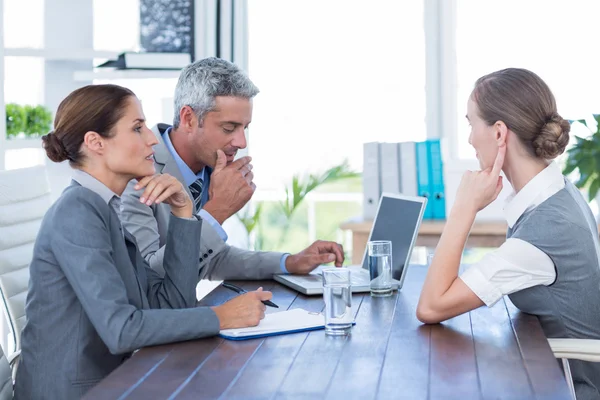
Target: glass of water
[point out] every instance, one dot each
(337, 294)
(380, 267)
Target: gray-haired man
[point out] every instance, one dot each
(213, 108)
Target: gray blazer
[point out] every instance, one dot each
(217, 259)
(92, 298)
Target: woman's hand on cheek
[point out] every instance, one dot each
(164, 188)
(477, 189)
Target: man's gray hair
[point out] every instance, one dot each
(202, 81)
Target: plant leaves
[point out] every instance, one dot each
(570, 167)
(39, 120)
(584, 156)
(302, 186)
(16, 119)
(251, 221)
(579, 140)
(583, 179)
(286, 208)
(587, 165)
(594, 186)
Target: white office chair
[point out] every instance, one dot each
(574, 349)
(24, 199)
(6, 382)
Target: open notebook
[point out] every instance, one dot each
(291, 321)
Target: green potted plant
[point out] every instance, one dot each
(584, 156)
(302, 185)
(16, 120)
(295, 193)
(39, 121)
(250, 217)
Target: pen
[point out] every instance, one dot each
(238, 289)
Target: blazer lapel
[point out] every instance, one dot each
(163, 160)
(131, 247)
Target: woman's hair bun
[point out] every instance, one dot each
(54, 147)
(553, 137)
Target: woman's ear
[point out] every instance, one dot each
(94, 142)
(500, 132)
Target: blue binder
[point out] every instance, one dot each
(423, 187)
(436, 180)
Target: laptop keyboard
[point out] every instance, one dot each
(359, 278)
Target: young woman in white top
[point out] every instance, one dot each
(549, 265)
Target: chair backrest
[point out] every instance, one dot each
(24, 199)
(6, 383)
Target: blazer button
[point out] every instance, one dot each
(201, 259)
(206, 255)
(210, 251)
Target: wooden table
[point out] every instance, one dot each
(483, 234)
(496, 353)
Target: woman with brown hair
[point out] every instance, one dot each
(549, 265)
(92, 298)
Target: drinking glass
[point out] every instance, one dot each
(337, 294)
(380, 267)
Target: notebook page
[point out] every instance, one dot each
(280, 322)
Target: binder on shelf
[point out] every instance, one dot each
(436, 180)
(371, 179)
(279, 323)
(408, 168)
(423, 187)
(390, 168)
(151, 61)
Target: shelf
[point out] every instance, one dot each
(433, 227)
(125, 74)
(60, 54)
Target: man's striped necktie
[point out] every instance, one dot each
(196, 190)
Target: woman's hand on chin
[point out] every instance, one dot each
(478, 189)
(164, 188)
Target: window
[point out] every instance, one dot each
(332, 75)
(24, 80)
(117, 25)
(24, 23)
(554, 39)
(155, 94)
(23, 84)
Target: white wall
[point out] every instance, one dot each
(453, 172)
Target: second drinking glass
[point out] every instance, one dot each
(380, 267)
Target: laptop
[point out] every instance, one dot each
(398, 219)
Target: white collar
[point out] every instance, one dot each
(543, 186)
(88, 181)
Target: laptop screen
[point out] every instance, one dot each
(398, 219)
